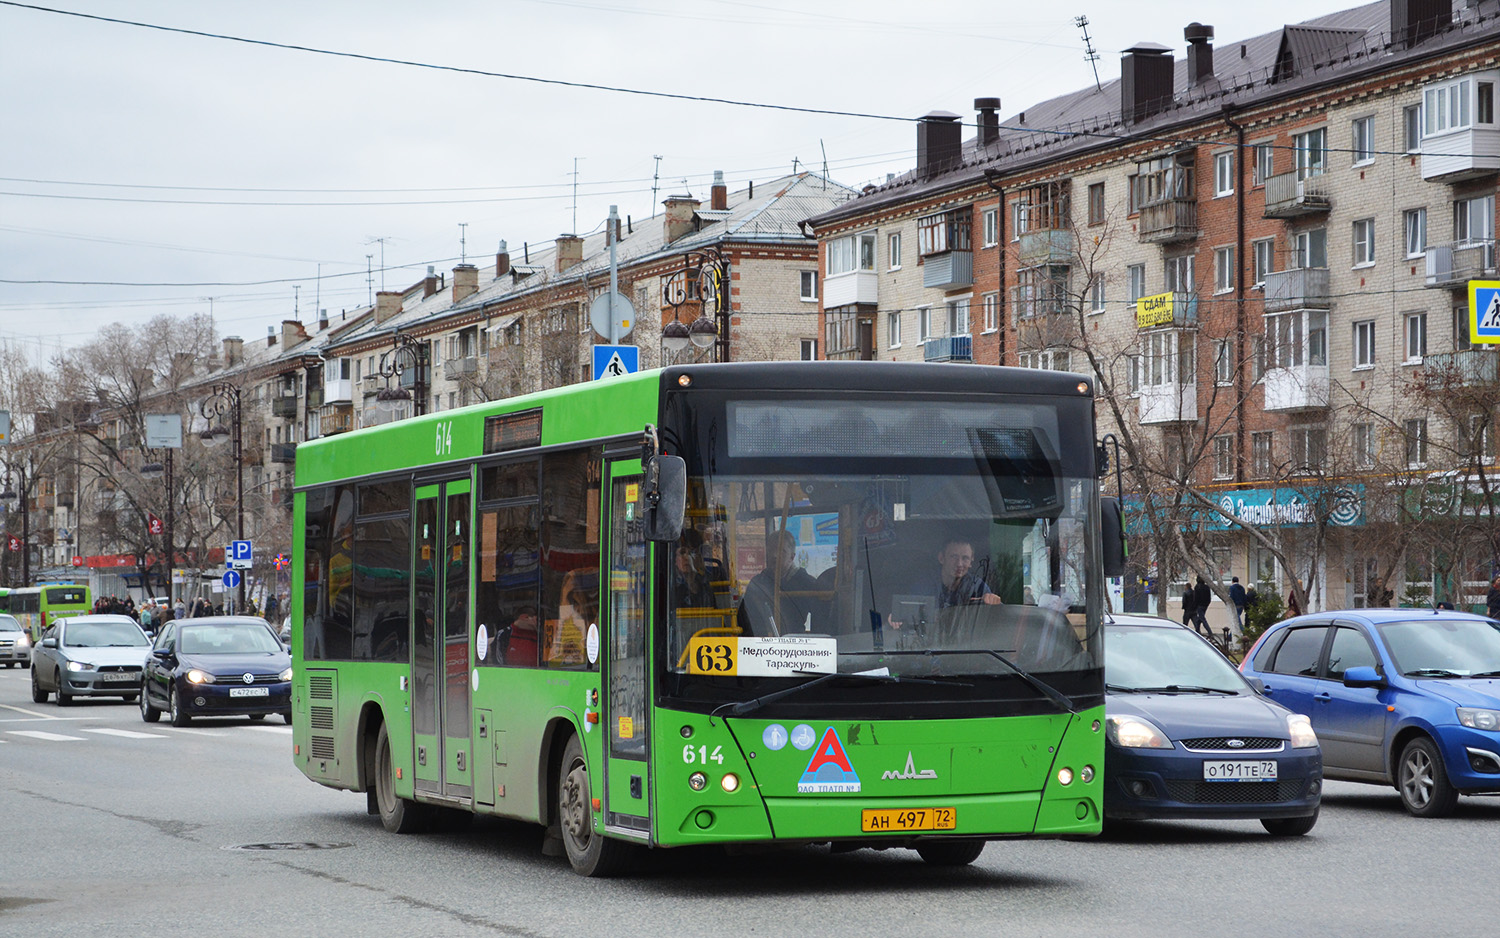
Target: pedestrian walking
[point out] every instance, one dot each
(1202, 596)
(1492, 601)
(1237, 603)
(1187, 606)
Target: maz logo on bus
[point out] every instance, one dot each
(444, 445)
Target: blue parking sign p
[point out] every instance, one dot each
(239, 550)
(1484, 311)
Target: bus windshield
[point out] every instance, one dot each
(935, 539)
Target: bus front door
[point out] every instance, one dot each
(626, 786)
(440, 702)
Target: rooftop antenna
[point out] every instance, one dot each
(296, 304)
(463, 251)
(655, 176)
(795, 161)
(381, 241)
(574, 229)
(825, 162)
(369, 282)
(318, 291)
(1089, 55)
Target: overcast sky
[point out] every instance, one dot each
(146, 171)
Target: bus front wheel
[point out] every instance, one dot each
(399, 815)
(590, 852)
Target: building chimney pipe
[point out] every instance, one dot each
(1200, 53)
(465, 281)
(718, 199)
(939, 142)
(989, 119)
(502, 260)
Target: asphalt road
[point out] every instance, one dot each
(113, 826)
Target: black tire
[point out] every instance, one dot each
(174, 709)
(256, 716)
(148, 713)
(1423, 781)
(950, 852)
(1289, 826)
(397, 814)
(37, 694)
(129, 698)
(287, 717)
(589, 852)
(63, 699)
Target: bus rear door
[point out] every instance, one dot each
(440, 700)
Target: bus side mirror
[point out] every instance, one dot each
(664, 497)
(1112, 530)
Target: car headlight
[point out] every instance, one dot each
(199, 677)
(1300, 728)
(1477, 719)
(80, 666)
(285, 675)
(1130, 732)
(23, 641)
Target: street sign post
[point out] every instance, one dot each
(232, 579)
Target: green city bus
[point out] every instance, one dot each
(711, 605)
(36, 606)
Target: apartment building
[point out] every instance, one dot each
(1261, 253)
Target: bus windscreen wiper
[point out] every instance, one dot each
(1048, 691)
(747, 706)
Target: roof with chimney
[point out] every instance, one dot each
(770, 216)
(1289, 60)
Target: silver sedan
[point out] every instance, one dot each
(89, 656)
(15, 643)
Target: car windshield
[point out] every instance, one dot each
(1438, 647)
(234, 639)
(1148, 658)
(103, 635)
(8, 624)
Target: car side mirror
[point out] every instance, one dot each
(162, 653)
(49, 643)
(1363, 676)
(1258, 684)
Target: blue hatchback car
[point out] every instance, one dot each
(1188, 737)
(1402, 697)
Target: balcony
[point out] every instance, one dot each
(1468, 369)
(284, 453)
(948, 348)
(1290, 197)
(1461, 155)
(947, 271)
(339, 389)
(1047, 246)
(315, 396)
(455, 368)
(284, 407)
(1296, 388)
(336, 419)
(1168, 403)
(1168, 221)
(1301, 288)
(1451, 266)
(849, 289)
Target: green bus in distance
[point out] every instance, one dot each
(36, 607)
(855, 603)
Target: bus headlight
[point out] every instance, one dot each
(731, 782)
(1065, 776)
(199, 677)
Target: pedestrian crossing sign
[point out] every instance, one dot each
(616, 361)
(1484, 311)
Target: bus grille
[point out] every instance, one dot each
(322, 718)
(322, 747)
(1235, 792)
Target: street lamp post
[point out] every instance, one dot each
(704, 276)
(225, 398)
(406, 352)
(154, 471)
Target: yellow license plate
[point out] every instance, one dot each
(908, 819)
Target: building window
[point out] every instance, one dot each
(1416, 337)
(1040, 291)
(1414, 229)
(809, 350)
(809, 286)
(1411, 127)
(991, 305)
(846, 255)
(1362, 140)
(1312, 248)
(1096, 294)
(1224, 361)
(924, 323)
(1168, 358)
(1096, 203)
(1462, 342)
(1178, 274)
(1264, 162)
(1474, 219)
(1296, 338)
(1135, 275)
(943, 232)
(1224, 270)
(1364, 344)
(1265, 259)
(1133, 374)
(1223, 174)
(1046, 359)
(1312, 152)
(1484, 102)
(990, 219)
(1223, 457)
(1364, 242)
(1309, 449)
(1132, 185)
(893, 248)
(958, 316)
(1260, 454)
(1446, 108)
(1481, 441)
(1364, 445)
(1257, 357)
(841, 336)
(1416, 442)
(893, 329)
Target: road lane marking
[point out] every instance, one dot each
(33, 713)
(278, 730)
(127, 734)
(50, 737)
(192, 732)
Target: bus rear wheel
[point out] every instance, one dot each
(950, 852)
(589, 852)
(398, 815)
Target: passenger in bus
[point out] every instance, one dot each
(691, 586)
(783, 598)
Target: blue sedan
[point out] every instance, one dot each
(1188, 737)
(1402, 697)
